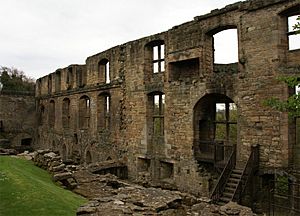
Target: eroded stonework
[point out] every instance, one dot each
(153, 102)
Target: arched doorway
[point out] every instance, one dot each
(215, 128)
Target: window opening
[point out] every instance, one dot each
(57, 81)
(158, 114)
(104, 71)
(84, 112)
(107, 75)
(225, 45)
(158, 58)
(69, 80)
(49, 84)
(293, 37)
(104, 111)
(26, 142)
(66, 113)
(225, 122)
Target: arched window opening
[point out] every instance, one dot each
(225, 45)
(104, 71)
(66, 113)
(84, 112)
(51, 114)
(104, 111)
(215, 128)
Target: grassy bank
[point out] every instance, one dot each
(26, 190)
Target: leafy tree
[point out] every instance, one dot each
(12, 79)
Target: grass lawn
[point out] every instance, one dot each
(26, 190)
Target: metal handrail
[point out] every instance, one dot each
(220, 186)
(247, 174)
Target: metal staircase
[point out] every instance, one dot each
(233, 181)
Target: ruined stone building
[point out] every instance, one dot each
(176, 116)
(17, 120)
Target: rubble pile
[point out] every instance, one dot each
(109, 195)
(53, 163)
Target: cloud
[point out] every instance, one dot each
(41, 36)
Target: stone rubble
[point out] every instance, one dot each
(53, 163)
(110, 196)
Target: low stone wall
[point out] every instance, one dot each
(53, 163)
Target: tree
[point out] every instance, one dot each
(12, 79)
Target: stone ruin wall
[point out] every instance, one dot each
(17, 120)
(190, 74)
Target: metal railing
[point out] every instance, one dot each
(248, 172)
(214, 151)
(220, 186)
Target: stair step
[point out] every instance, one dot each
(233, 180)
(231, 185)
(225, 199)
(229, 189)
(237, 171)
(221, 203)
(227, 195)
(237, 176)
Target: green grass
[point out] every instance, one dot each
(26, 190)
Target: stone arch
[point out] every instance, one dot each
(215, 127)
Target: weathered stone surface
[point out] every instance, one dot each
(62, 176)
(191, 84)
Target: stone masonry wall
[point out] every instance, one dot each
(168, 157)
(18, 119)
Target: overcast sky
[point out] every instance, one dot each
(40, 36)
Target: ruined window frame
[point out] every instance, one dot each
(84, 112)
(284, 23)
(57, 81)
(66, 117)
(158, 114)
(70, 78)
(50, 84)
(158, 58)
(214, 48)
(104, 111)
(292, 32)
(104, 71)
(227, 122)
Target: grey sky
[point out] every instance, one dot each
(39, 36)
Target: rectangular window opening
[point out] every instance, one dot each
(293, 37)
